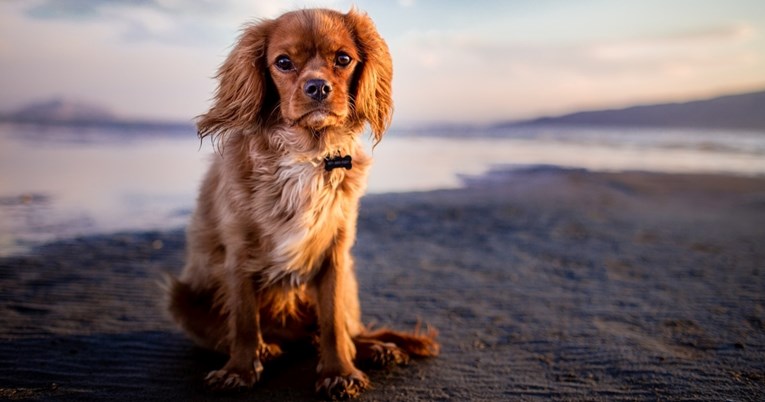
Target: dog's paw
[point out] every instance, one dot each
(380, 355)
(269, 352)
(232, 378)
(342, 386)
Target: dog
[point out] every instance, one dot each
(268, 260)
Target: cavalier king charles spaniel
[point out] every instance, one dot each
(269, 244)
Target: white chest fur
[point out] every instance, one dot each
(303, 213)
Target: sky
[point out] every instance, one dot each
(454, 61)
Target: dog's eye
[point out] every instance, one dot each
(284, 63)
(342, 60)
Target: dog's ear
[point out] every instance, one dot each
(373, 100)
(242, 86)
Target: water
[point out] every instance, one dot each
(58, 182)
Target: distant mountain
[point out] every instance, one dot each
(60, 111)
(76, 113)
(742, 111)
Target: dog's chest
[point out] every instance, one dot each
(309, 205)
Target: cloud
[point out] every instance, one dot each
(434, 49)
(459, 73)
(736, 32)
(675, 45)
(90, 9)
(171, 21)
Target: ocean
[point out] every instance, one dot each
(61, 182)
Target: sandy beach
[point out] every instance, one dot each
(544, 284)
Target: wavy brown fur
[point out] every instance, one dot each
(268, 246)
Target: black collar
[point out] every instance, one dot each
(338, 162)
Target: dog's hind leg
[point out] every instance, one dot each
(197, 313)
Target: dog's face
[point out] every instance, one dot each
(312, 63)
(312, 69)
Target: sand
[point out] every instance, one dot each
(544, 284)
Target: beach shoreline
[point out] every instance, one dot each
(543, 283)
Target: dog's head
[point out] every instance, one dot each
(311, 69)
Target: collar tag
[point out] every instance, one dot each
(338, 162)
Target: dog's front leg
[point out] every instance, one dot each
(245, 342)
(338, 377)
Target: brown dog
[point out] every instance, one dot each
(269, 245)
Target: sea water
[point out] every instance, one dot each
(58, 182)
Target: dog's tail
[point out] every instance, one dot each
(418, 343)
(197, 313)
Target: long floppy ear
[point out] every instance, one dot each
(242, 85)
(373, 98)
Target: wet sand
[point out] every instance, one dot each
(544, 284)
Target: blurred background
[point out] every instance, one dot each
(98, 97)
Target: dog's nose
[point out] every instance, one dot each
(317, 89)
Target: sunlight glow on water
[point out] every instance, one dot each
(428, 163)
(66, 183)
